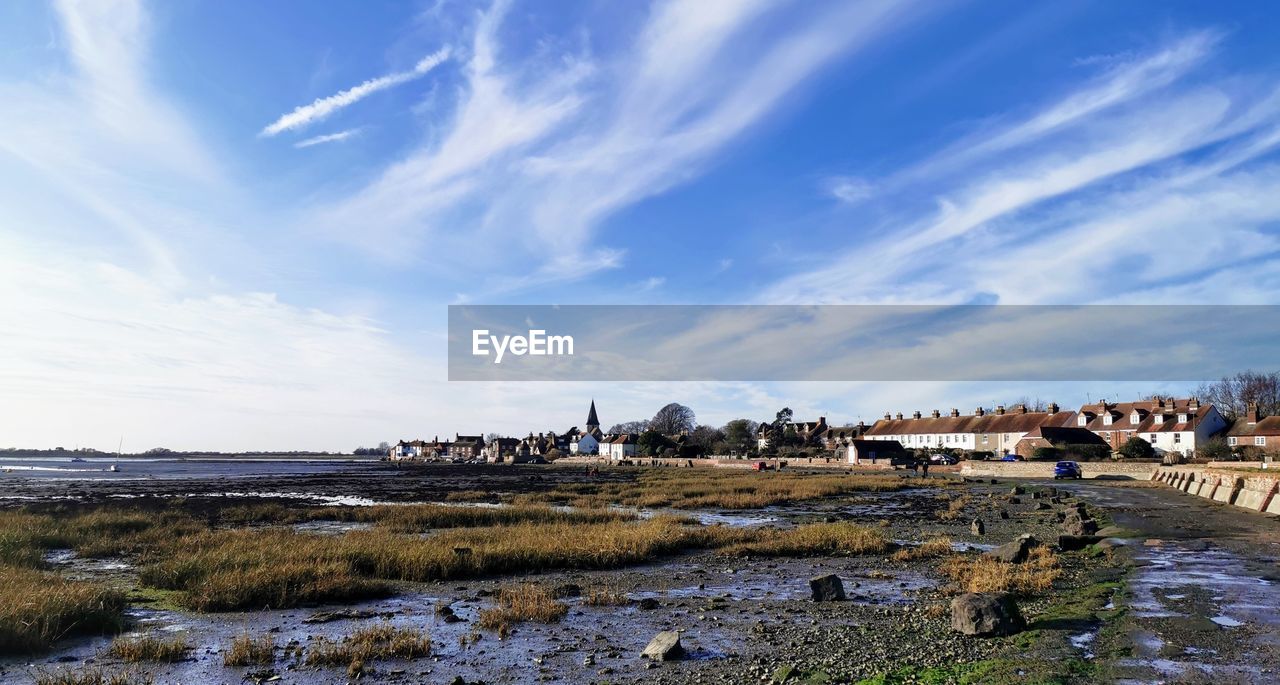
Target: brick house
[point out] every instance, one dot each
(1253, 430)
(1169, 424)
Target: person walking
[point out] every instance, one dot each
(924, 466)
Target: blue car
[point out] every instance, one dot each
(1067, 469)
(1010, 457)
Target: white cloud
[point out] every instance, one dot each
(328, 138)
(651, 283)
(323, 108)
(848, 189)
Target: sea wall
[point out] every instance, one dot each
(1255, 490)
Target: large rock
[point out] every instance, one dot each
(978, 527)
(1072, 543)
(986, 614)
(1078, 526)
(827, 588)
(664, 646)
(1015, 552)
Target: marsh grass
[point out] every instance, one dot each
(984, 574)
(708, 488)
(955, 508)
(247, 650)
(520, 603)
(929, 549)
(813, 539)
(151, 648)
(604, 596)
(38, 608)
(383, 641)
(91, 676)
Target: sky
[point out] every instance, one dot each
(238, 225)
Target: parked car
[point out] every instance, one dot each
(943, 459)
(761, 466)
(1010, 457)
(537, 460)
(1067, 469)
(907, 460)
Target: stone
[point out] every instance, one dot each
(664, 646)
(978, 527)
(1014, 552)
(648, 604)
(986, 614)
(1072, 543)
(827, 588)
(1015, 500)
(1004, 513)
(1078, 526)
(1017, 490)
(1043, 506)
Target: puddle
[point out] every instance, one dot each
(331, 527)
(1084, 642)
(1227, 621)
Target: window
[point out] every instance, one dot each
(1260, 441)
(1106, 420)
(1134, 417)
(1177, 438)
(1232, 441)
(1153, 438)
(1182, 418)
(984, 438)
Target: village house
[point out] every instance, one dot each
(534, 447)
(806, 431)
(857, 451)
(1059, 437)
(1252, 430)
(619, 447)
(843, 436)
(1170, 425)
(420, 449)
(997, 432)
(499, 450)
(466, 447)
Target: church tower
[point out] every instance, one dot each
(592, 421)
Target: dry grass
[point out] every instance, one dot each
(150, 648)
(247, 650)
(929, 549)
(378, 642)
(602, 596)
(705, 488)
(984, 574)
(91, 676)
(469, 496)
(955, 508)
(39, 608)
(813, 539)
(525, 602)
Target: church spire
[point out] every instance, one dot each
(592, 421)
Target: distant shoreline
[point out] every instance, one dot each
(25, 455)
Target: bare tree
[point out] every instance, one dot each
(634, 427)
(1233, 394)
(672, 419)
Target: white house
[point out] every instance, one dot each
(619, 446)
(1169, 424)
(996, 432)
(586, 443)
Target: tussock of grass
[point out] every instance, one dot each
(955, 508)
(150, 648)
(417, 518)
(91, 676)
(984, 574)
(469, 496)
(247, 650)
(705, 488)
(526, 602)
(813, 539)
(935, 547)
(605, 597)
(377, 642)
(38, 608)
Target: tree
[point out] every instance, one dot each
(1216, 449)
(1232, 394)
(491, 437)
(706, 438)
(1136, 448)
(778, 429)
(652, 443)
(673, 419)
(740, 434)
(635, 427)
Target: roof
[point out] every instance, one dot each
(1010, 422)
(591, 415)
(1268, 425)
(1122, 415)
(885, 445)
(1065, 435)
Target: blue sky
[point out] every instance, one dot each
(237, 225)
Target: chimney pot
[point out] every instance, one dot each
(979, 412)
(999, 410)
(955, 412)
(915, 414)
(899, 415)
(1053, 407)
(936, 413)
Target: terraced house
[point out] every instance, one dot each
(1253, 430)
(998, 432)
(1169, 424)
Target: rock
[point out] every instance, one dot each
(1072, 543)
(1077, 526)
(664, 646)
(1112, 532)
(1017, 490)
(978, 527)
(784, 673)
(343, 615)
(1004, 513)
(1014, 552)
(986, 614)
(1037, 495)
(1043, 506)
(1014, 500)
(827, 588)
(648, 604)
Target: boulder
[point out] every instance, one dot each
(1014, 552)
(1017, 490)
(648, 604)
(1077, 526)
(1072, 543)
(978, 527)
(1004, 513)
(827, 588)
(664, 646)
(986, 614)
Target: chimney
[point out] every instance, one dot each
(1053, 408)
(1194, 404)
(955, 413)
(915, 414)
(936, 413)
(979, 412)
(1022, 408)
(1251, 413)
(999, 410)
(822, 420)
(887, 416)
(899, 416)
